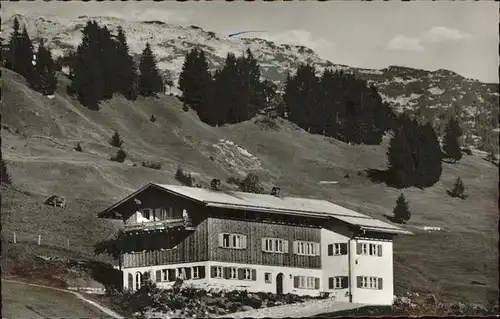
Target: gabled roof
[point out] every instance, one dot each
(272, 204)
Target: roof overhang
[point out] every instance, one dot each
(398, 231)
(267, 210)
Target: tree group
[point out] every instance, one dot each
(102, 66)
(40, 71)
(414, 155)
(451, 145)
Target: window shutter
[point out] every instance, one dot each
(201, 271)
(285, 246)
(130, 281)
(358, 248)
(359, 280)
(158, 275)
(295, 281)
(380, 250)
(317, 250)
(330, 250)
(295, 247)
(263, 244)
(345, 282)
(213, 271)
(226, 272)
(254, 274)
(240, 273)
(243, 242)
(380, 283)
(343, 249)
(221, 240)
(316, 283)
(330, 283)
(187, 271)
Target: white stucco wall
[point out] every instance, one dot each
(373, 266)
(334, 266)
(258, 285)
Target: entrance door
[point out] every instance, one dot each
(279, 284)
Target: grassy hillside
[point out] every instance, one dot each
(39, 135)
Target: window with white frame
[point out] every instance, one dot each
(247, 274)
(335, 282)
(306, 282)
(196, 272)
(306, 248)
(232, 241)
(218, 272)
(233, 273)
(310, 283)
(274, 245)
(267, 277)
(367, 282)
(375, 250)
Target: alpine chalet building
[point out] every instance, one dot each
(219, 239)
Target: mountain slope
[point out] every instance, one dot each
(39, 135)
(430, 95)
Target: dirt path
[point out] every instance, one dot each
(105, 310)
(298, 310)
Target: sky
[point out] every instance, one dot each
(461, 36)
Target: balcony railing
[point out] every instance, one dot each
(171, 223)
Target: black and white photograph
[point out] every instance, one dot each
(249, 159)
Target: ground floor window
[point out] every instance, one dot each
(306, 282)
(367, 282)
(338, 282)
(267, 277)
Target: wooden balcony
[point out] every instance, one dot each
(162, 225)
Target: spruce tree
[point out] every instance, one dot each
(458, 189)
(126, 70)
(401, 172)
(150, 80)
(227, 92)
(13, 48)
(428, 156)
(44, 78)
(116, 140)
(451, 146)
(197, 86)
(88, 81)
(251, 184)
(401, 210)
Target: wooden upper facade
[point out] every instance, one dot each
(163, 227)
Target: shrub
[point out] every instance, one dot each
(116, 140)
(153, 165)
(152, 118)
(251, 184)
(183, 177)
(120, 156)
(233, 180)
(458, 189)
(78, 147)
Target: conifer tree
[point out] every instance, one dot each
(451, 146)
(4, 174)
(428, 156)
(44, 78)
(401, 210)
(13, 48)
(195, 82)
(116, 140)
(126, 70)
(88, 81)
(458, 189)
(150, 80)
(251, 184)
(227, 92)
(401, 172)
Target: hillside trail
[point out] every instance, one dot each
(297, 310)
(105, 310)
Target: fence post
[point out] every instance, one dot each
(15, 241)
(39, 239)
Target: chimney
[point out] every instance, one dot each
(275, 191)
(215, 184)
